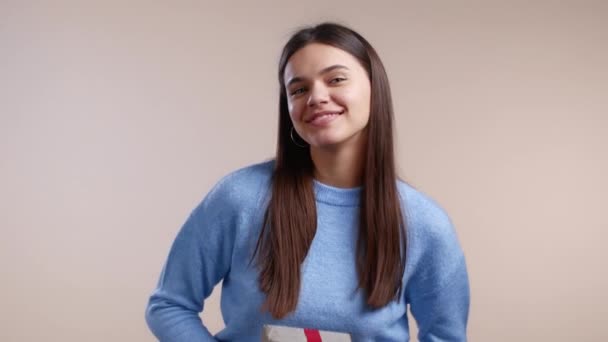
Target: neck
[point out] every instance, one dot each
(340, 166)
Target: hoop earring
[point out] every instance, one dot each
(294, 140)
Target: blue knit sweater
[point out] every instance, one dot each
(217, 240)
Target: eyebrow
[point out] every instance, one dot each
(324, 71)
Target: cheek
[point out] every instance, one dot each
(295, 110)
(290, 109)
(365, 101)
(356, 100)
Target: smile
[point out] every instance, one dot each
(323, 118)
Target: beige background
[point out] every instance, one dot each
(117, 117)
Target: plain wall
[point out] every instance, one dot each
(116, 118)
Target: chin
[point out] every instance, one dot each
(326, 142)
(335, 138)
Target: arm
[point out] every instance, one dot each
(442, 314)
(199, 258)
(439, 296)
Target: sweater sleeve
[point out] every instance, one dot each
(199, 259)
(439, 297)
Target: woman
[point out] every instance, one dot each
(325, 236)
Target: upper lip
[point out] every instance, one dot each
(322, 112)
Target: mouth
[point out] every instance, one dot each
(324, 116)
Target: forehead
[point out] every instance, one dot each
(314, 57)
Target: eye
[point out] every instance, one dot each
(337, 80)
(297, 91)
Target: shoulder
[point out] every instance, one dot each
(241, 188)
(423, 213)
(246, 178)
(434, 250)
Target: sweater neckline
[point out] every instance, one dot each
(337, 196)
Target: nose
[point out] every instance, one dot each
(318, 94)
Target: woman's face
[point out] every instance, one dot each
(328, 95)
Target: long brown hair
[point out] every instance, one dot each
(291, 217)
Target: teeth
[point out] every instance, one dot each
(325, 115)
